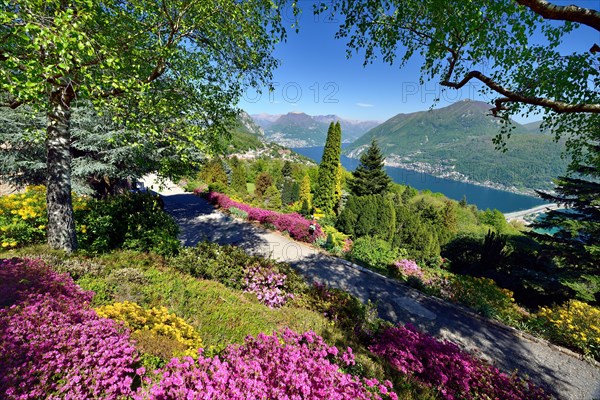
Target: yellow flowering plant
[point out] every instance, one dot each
(23, 217)
(157, 331)
(574, 324)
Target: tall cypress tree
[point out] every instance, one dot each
(369, 176)
(325, 192)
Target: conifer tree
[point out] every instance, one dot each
(305, 194)
(263, 181)
(576, 240)
(369, 176)
(325, 196)
(272, 198)
(238, 176)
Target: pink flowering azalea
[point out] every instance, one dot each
(295, 224)
(443, 365)
(53, 344)
(286, 365)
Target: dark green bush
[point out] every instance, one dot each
(376, 253)
(131, 221)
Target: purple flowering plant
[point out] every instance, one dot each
(285, 365)
(295, 224)
(444, 366)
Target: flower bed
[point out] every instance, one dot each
(443, 365)
(574, 324)
(286, 365)
(53, 344)
(295, 224)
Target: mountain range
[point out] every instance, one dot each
(457, 142)
(297, 129)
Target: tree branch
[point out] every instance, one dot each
(512, 96)
(572, 13)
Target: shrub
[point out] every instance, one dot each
(155, 325)
(408, 268)
(53, 344)
(23, 217)
(267, 285)
(376, 253)
(296, 225)
(286, 365)
(485, 297)
(574, 324)
(236, 212)
(131, 221)
(21, 278)
(230, 265)
(442, 365)
(225, 264)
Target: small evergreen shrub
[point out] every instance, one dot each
(375, 253)
(236, 212)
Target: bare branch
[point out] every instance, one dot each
(572, 13)
(512, 96)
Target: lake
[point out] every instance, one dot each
(481, 196)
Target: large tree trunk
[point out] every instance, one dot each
(61, 222)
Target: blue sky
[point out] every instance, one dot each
(316, 77)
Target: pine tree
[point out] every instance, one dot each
(576, 237)
(325, 197)
(369, 176)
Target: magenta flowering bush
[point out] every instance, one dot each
(267, 285)
(20, 278)
(295, 224)
(53, 344)
(286, 365)
(444, 366)
(409, 268)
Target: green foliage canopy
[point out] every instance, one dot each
(454, 40)
(172, 69)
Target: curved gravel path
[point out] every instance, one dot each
(559, 370)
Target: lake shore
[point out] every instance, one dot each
(526, 216)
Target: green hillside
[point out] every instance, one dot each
(456, 142)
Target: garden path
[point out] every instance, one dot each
(559, 370)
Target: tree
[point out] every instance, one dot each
(213, 171)
(262, 183)
(527, 74)
(370, 177)
(175, 71)
(287, 170)
(103, 160)
(238, 176)
(576, 237)
(305, 195)
(271, 198)
(290, 191)
(325, 198)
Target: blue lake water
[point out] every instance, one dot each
(482, 197)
